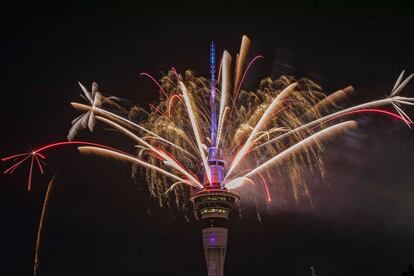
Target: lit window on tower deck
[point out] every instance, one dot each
(213, 210)
(216, 198)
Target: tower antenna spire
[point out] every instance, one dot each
(213, 105)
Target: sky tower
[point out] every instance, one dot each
(214, 203)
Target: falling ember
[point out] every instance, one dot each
(41, 226)
(268, 197)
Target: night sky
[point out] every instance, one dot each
(100, 222)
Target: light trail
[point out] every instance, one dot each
(242, 80)
(311, 140)
(196, 130)
(132, 159)
(39, 235)
(338, 114)
(260, 125)
(251, 131)
(109, 114)
(37, 153)
(155, 81)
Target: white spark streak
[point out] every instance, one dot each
(132, 159)
(168, 160)
(104, 112)
(195, 130)
(241, 60)
(332, 116)
(307, 142)
(225, 89)
(273, 107)
(398, 87)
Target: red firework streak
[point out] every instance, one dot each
(242, 80)
(372, 110)
(269, 198)
(37, 157)
(155, 81)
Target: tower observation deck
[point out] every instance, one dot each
(212, 207)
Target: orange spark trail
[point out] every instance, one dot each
(41, 223)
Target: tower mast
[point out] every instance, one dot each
(213, 106)
(216, 165)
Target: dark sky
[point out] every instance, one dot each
(100, 223)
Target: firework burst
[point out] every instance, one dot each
(37, 157)
(274, 133)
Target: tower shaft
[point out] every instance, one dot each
(212, 207)
(215, 246)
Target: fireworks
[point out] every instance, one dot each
(274, 133)
(41, 223)
(37, 157)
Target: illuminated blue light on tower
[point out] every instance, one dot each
(213, 106)
(216, 165)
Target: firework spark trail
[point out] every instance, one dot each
(402, 113)
(267, 133)
(260, 125)
(242, 80)
(308, 142)
(95, 99)
(109, 114)
(372, 110)
(175, 73)
(41, 225)
(331, 99)
(220, 68)
(321, 135)
(369, 105)
(220, 128)
(132, 159)
(16, 165)
(168, 160)
(181, 168)
(225, 89)
(37, 153)
(195, 130)
(238, 182)
(240, 61)
(29, 179)
(256, 129)
(38, 163)
(176, 96)
(153, 107)
(174, 185)
(13, 156)
(268, 197)
(155, 81)
(398, 86)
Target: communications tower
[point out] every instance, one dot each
(214, 203)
